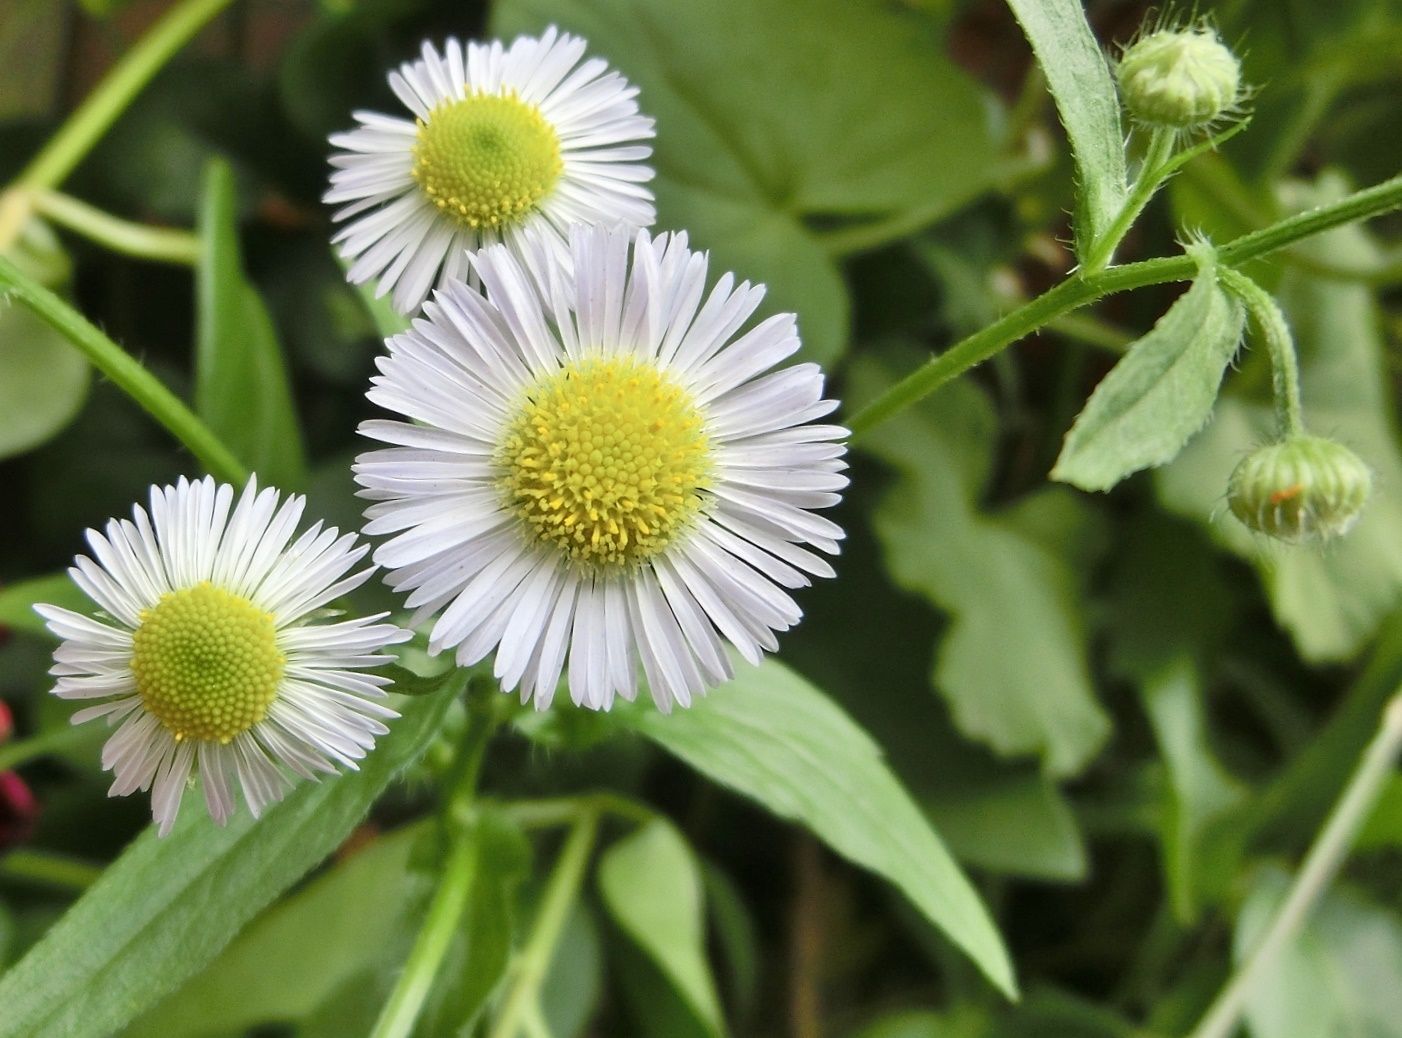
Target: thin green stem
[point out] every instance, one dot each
(1081, 289)
(560, 893)
(160, 244)
(30, 865)
(1152, 172)
(125, 371)
(22, 751)
(1280, 344)
(455, 879)
(66, 148)
(547, 812)
(1320, 866)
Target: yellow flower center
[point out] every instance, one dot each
(486, 160)
(606, 460)
(206, 663)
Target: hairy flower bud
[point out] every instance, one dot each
(1179, 79)
(1303, 489)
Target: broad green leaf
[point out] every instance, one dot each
(1336, 979)
(295, 954)
(651, 885)
(17, 601)
(1013, 663)
(1161, 392)
(775, 738)
(575, 981)
(1331, 601)
(166, 907)
(43, 380)
(1201, 792)
(798, 109)
(241, 382)
(1085, 96)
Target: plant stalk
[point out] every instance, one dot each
(1152, 172)
(1280, 344)
(1320, 866)
(160, 244)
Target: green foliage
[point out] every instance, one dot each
(1013, 663)
(775, 738)
(744, 162)
(241, 386)
(1080, 82)
(1161, 393)
(169, 905)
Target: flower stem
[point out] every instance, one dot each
(160, 244)
(59, 871)
(22, 751)
(125, 371)
(86, 126)
(1080, 289)
(455, 879)
(1151, 174)
(1275, 330)
(1320, 866)
(560, 893)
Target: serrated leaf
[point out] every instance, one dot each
(651, 886)
(1085, 96)
(1331, 601)
(755, 136)
(1161, 392)
(772, 736)
(1012, 664)
(241, 381)
(1336, 979)
(167, 906)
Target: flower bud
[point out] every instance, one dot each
(1179, 79)
(1302, 489)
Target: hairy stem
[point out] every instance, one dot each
(1320, 866)
(1280, 344)
(125, 371)
(1152, 172)
(560, 893)
(85, 127)
(1080, 289)
(160, 244)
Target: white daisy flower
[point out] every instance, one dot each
(598, 473)
(503, 138)
(207, 656)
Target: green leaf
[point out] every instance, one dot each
(575, 980)
(241, 382)
(294, 955)
(43, 380)
(1013, 662)
(775, 738)
(1383, 828)
(1201, 792)
(1331, 602)
(1085, 97)
(166, 907)
(736, 937)
(17, 602)
(1012, 821)
(1161, 392)
(1336, 979)
(651, 885)
(744, 159)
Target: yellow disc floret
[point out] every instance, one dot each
(486, 160)
(606, 460)
(206, 663)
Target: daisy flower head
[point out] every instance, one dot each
(597, 471)
(209, 654)
(503, 138)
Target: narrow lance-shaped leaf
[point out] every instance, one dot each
(1161, 392)
(241, 382)
(1085, 97)
(651, 885)
(774, 737)
(167, 906)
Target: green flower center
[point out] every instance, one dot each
(486, 160)
(206, 663)
(606, 460)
